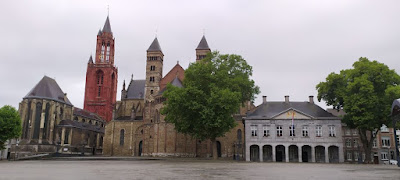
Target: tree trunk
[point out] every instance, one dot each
(367, 144)
(214, 148)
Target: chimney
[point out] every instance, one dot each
(65, 97)
(264, 99)
(311, 99)
(286, 99)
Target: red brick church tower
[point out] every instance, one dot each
(101, 76)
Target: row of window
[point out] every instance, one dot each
(154, 58)
(292, 131)
(103, 48)
(349, 142)
(89, 122)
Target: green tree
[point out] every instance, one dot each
(214, 89)
(365, 93)
(10, 124)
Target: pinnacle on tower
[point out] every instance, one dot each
(90, 60)
(107, 26)
(155, 46)
(203, 45)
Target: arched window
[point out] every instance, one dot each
(239, 135)
(102, 52)
(108, 52)
(38, 117)
(122, 137)
(27, 121)
(46, 121)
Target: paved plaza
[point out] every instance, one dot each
(189, 169)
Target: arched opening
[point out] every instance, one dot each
(267, 153)
(27, 122)
(122, 137)
(140, 148)
(218, 149)
(239, 135)
(37, 120)
(293, 153)
(306, 153)
(333, 152)
(280, 153)
(320, 154)
(46, 121)
(254, 153)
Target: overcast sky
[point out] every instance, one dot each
(292, 45)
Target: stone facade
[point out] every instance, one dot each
(293, 132)
(50, 122)
(139, 129)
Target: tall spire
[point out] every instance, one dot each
(155, 46)
(107, 26)
(203, 45)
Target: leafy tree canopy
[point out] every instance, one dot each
(365, 93)
(214, 89)
(10, 124)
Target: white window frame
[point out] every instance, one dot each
(253, 130)
(348, 142)
(355, 155)
(292, 133)
(384, 156)
(265, 131)
(305, 131)
(349, 158)
(374, 144)
(318, 131)
(332, 131)
(385, 140)
(279, 131)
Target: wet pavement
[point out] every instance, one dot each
(133, 168)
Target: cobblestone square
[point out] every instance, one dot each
(189, 169)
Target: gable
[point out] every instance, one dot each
(176, 71)
(291, 113)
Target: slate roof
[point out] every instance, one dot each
(175, 82)
(203, 45)
(107, 26)
(47, 88)
(155, 46)
(80, 125)
(136, 89)
(269, 110)
(87, 114)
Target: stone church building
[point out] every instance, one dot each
(138, 128)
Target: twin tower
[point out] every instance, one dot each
(102, 75)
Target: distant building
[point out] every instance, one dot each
(286, 131)
(51, 124)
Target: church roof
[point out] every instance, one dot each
(87, 114)
(47, 88)
(203, 45)
(136, 89)
(177, 70)
(107, 26)
(175, 82)
(155, 46)
(81, 125)
(269, 110)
